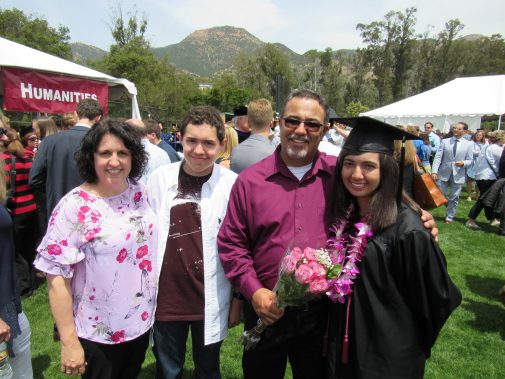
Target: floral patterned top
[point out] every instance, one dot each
(108, 247)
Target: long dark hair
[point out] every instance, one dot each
(382, 208)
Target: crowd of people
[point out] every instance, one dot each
(139, 230)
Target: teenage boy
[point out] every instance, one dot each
(190, 199)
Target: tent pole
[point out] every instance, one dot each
(499, 123)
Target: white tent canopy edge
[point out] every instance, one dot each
(20, 56)
(462, 99)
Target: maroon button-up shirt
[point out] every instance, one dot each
(269, 211)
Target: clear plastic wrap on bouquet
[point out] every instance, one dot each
(304, 274)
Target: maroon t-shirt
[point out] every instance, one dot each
(180, 293)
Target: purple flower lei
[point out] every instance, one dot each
(347, 254)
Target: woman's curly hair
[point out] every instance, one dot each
(89, 145)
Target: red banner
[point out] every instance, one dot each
(31, 91)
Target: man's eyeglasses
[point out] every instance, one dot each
(293, 123)
(33, 139)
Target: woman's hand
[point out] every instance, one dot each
(72, 358)
(60, 298)
(5, 331)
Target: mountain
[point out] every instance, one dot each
(82, 52)
(207, 51)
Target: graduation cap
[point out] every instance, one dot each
(240, 111)
(228, 116)
(371, 135)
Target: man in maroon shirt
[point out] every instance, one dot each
(273, 203)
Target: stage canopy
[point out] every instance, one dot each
(463, 99)
(34, 81)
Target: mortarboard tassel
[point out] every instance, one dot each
(345, 345)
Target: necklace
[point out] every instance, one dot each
(349, 252)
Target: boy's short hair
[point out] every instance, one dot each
(204, 114)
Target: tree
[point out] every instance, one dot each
(225, 94)
(425, 57)
(332, 82)
(128, 31)
(257, 73)
(448, 56)
(161, 88)
(35, 32)
(389, 50)
(402, 52)
(273, 62)
(360, 86)
(354, 108)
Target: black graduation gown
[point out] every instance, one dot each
(400, 301)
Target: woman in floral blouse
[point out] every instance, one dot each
(99, 256)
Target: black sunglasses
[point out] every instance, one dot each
(294, 123)
(2, 131)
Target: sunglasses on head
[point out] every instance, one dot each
(294, 123)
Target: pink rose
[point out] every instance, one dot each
(309, 254)
(290, 263)
(144, 316)
(54, 249)
(318, 286)
(118, 336)
(318, 269)
(64, 243)
(92, 297)
(145, 265)
(142, 251)
(137, 197)
(128, 236)
(296, 252)
(122, 255)
(303, 273)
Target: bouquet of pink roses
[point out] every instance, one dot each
(303, 276)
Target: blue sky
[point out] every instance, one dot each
(300, 25)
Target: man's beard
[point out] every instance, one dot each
(298, 153)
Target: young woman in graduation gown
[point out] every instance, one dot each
(385, 324)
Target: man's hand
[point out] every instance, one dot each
(5, 331)
(264, 303)
(459, 163)
(434, 176)
(429, 223)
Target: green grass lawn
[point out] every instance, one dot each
(471, 345)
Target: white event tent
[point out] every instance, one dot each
(16, 55)
(463, 99)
